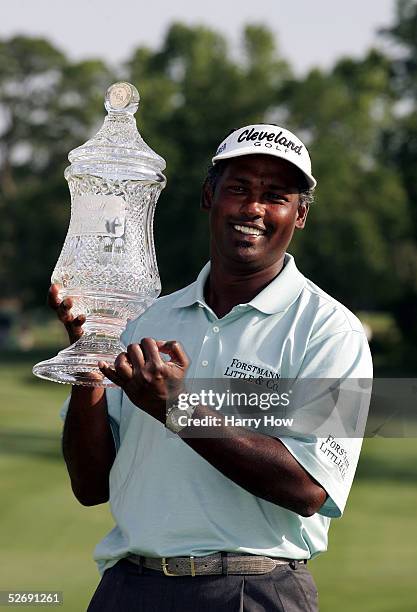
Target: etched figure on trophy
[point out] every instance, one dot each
(108, 263)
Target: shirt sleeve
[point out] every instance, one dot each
(335, 413)
(114, 396)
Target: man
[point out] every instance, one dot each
(223, 522)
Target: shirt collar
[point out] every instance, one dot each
(276, 297)
(194, 293)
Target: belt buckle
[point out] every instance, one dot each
(166, 571)
(164, 564)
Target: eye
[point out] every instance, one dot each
(276, 197)
(236, 189)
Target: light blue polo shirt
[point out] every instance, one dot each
(166, 499)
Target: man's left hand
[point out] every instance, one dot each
(148, 380)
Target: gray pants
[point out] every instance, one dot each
(128, 588)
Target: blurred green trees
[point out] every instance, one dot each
(399, 152)
(359, 120)
(47, 106)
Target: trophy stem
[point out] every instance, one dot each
(78, 364)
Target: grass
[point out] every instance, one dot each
(47, 538)
(371, 561)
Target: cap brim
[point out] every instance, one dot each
(311, 181)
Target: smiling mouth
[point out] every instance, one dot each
(249, 231)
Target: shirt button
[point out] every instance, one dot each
(216, 329)
(204, 363)
(200, 306)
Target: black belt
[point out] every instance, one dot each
(217, 563)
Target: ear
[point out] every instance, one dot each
(302, 213)
(206, 196)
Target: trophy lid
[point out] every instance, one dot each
(118, 151)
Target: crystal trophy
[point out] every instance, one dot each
(108, 264)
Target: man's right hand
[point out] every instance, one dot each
(87, 440)
(63, 311)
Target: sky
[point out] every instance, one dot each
(309, 32)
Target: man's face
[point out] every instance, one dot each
(254, 210)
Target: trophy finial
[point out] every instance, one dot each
(122, 97)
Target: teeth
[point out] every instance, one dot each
(252, 231)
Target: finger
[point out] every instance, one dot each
(79, 321)
(93, 376)
(109, 373)
(66, 304)
(175, 350)
(136, 358)
(123, 367)
(64, 311)
(151, 352)
(53, 296)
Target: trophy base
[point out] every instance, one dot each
(78, 364)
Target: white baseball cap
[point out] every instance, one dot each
(270, 140)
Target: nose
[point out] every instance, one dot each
(252, 207)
